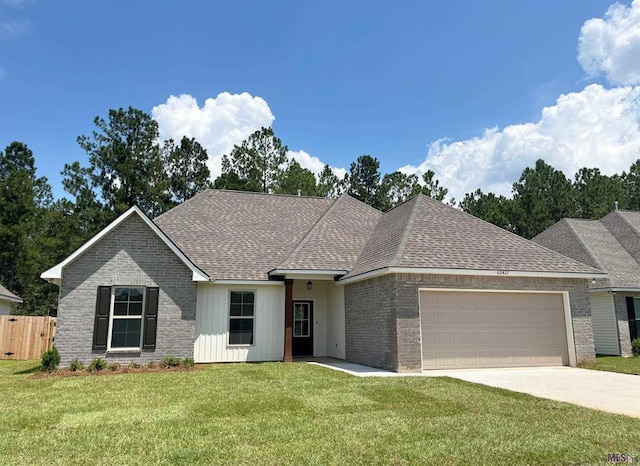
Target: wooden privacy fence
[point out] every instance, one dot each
(26, 337)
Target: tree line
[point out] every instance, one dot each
(129, 165)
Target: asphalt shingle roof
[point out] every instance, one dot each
(337, 239)
(425, 233)
(591, 242)
(240, 235)
(4, 293)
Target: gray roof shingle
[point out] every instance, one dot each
(4, 293)
(240, 235)
(596, 243)
(425, 233)
(337, 239)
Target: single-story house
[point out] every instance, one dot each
(238, 276)
(611, 244)
(7, 298)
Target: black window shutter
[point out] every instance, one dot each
(101, 324)
(631, 314)
(150, 318)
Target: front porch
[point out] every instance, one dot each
(314, 318)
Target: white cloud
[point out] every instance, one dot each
(611, 45)
(595, 127)
(314, 164)
(220, 123)
(11, 29)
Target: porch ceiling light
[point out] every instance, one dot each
(309, 285)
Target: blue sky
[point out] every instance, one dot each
(341, 79)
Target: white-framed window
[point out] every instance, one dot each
(241, 317)
(125, 325)
(301, 319)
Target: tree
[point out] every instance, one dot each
(542, 196)
(24, 203)
(256, 164)
(186, 167)
(596, 194)
(396, 188)
(296, 180)
(364, 180)
(432, 186)
(631, 185)
(125, 162)
(489, 207)
(329, 185)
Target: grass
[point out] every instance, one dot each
(615, 364)
(296, 413)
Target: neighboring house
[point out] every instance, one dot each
(237, 276)
(7, 298)
(611, 244)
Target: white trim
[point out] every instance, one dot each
(54, 274)
(10, 299)
(473, 272)
(126, 349)
(566, 304)
(253, 319)
(308, 273)
(247, 282)
(614, 290)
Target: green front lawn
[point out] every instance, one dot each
(296, 413)
(615, 364)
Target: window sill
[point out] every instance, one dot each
(124, 350)
(240, 346)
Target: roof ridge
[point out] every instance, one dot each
(309, 233)
(407, 230)
(619, 213)
(582, 243)
(236, 191)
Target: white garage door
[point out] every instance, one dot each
(463, 329)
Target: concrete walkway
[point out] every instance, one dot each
(605, 391)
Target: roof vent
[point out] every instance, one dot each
(300, 192)
(615, 203)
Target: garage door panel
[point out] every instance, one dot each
(489, 329)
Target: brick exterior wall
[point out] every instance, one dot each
(382, 319)
(131, 254)
(622, 316)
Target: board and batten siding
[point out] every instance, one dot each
(212, 324)
(335, 322)
(605, 326)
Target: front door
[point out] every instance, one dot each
(302, 328)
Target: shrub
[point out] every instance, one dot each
(50, 359)
(170, 361)
(114, 367)
(97, 365)
(76, 366)
(635, 347)
(151, 365)
(133, 365)
(188, 362)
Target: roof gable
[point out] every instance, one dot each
(55, 273)
(426, 234)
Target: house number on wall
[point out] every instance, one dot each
(503, 272)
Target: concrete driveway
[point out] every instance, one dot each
(606, 391)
